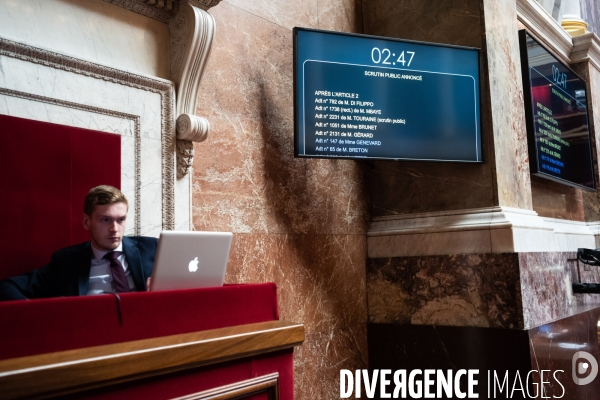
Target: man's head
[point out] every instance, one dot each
(104, 214)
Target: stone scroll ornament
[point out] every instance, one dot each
(192, 31)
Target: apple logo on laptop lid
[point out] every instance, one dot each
(193, 265)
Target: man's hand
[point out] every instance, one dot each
(148, 284)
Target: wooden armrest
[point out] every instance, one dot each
(82, 369)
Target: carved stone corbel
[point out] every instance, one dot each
(192, 31)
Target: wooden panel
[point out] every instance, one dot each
(83, 369)
(266, 383)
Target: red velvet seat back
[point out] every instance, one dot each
(47, 170)
(67, 323)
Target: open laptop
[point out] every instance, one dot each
(186, 260)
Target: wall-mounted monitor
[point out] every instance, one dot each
(556, 113)
(358, 96)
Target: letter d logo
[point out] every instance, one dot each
(583, 366)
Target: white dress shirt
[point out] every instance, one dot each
(100, 277)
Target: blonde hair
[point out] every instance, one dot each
(102, 195)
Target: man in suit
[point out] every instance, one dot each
(108, 263)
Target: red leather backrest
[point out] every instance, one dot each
(45, 172)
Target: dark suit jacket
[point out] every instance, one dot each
(68, 272)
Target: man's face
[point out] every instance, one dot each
(106, 225)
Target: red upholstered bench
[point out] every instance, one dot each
(30, 328)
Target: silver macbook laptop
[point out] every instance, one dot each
(186, 260)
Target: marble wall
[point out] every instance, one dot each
(413, 187)
(298, 222)
(302, 223)
(460, 290)
(503, 178)
(503, 290)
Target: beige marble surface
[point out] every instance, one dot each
(298, 222)
(286, 14)
(321, 278)
(319, 361)
(246, 178)
(339, 15)
(302, 222)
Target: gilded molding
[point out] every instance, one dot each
(574, 27)
(192, 32)
(162, 87)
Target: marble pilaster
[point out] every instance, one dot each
(506, 104)
(300, 223)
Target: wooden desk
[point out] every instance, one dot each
(73, 371)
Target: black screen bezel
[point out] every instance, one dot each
(296, 106)
(530, 126)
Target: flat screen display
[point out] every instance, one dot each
(556, 113)
(360, 96)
